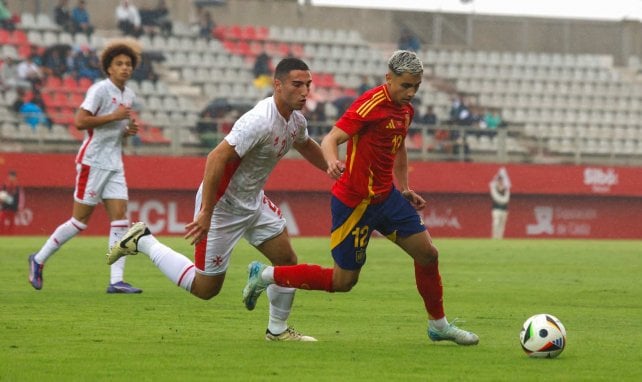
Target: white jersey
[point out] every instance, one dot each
(260, 137)
(102, 147)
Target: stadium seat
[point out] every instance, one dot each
(4, 36)
(28, 21)
(84, 83)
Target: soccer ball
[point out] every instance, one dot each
(5, 197)
(543, 336)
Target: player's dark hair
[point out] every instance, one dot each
(128, 48)
(287, 65)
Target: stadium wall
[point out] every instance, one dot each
(547, 201)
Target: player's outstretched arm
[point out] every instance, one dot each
(311, 151)
(330, 147)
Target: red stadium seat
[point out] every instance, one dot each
(243, 48)
(18, 37)
(262, 33)
(297, 50)
(229, 46)
(4, 37)
(219, 32)
(53, 83)
(283, 49)
(248, 32)
(24, 50)
(84, 83)
(324, 80)
(256, 48)
(70, 84)
(234, 32)
(76, 99)
(55, 99)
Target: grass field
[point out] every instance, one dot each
(72, 330)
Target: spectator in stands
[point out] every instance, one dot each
(32, 114)
(343, 103)
(428, 117)
(491, 120)
(86, 63)
(145, 71)
(408, 41)
(19, 100)
(55, 63)
(11, 203)
(35, 52)
(9, 78)
(29, 71)
(364, 85)
(128, 19)
(314, 112)
(441, 136)
(6, 17)
(206, 23)
(262, 70)
(157, 20)
(460, 115)
(80, 19)
(62, 16)
(500, 195)
(36, 99)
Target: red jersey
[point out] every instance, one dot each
(377, 127)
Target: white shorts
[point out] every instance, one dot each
(94, 185)
(212, 256)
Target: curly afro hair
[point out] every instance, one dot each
(128, 47)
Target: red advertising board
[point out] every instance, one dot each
(547, 200)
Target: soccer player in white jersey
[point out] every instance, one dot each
(105, 116)
(230, 203)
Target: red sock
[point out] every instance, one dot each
(429, 286)
(304, 276)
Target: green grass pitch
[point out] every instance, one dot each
(72, 330)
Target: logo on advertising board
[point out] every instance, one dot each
(442, 220)
(561, 221)
(600, 180)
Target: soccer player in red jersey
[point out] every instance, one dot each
(364, 199)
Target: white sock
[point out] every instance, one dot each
(116, 231)
(439, 324)
(174, 265)
(281, 299)
(268, 274)
(60, 236)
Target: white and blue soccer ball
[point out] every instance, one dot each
(543, 336)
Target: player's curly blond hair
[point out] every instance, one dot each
(127, 46)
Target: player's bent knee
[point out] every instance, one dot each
(206, 294)
(343, 286)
